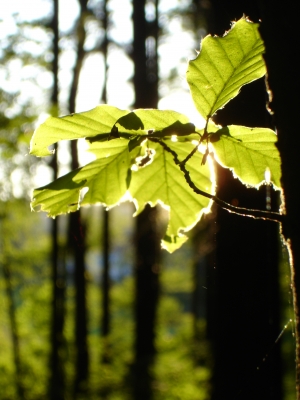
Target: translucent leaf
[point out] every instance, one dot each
(163, 182)
(248, 152)
(224, 65)
(99, 120)
(106, 122)
(157, 122)
(105, 178)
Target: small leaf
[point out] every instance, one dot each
(224, 65)
(105, 179)
(99, 120)
(163, 182)
(248, 152)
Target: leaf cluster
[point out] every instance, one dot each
(160, 156)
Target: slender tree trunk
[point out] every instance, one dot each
(57, 380)
(82, 357)
(106, 289)
(105, 325)
(14, 331)
(203, 263)
(147, 240)
(203, 240)
(280, 32)
(76, 231)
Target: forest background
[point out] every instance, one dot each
(73, 319)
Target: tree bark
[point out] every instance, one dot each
(147, 240)
(76, 230)
(105, 323)
(279, 30)
(245, 317)
(57, 378)
(14, 331)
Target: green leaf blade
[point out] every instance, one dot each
(248, 152)
(163, 182)
(105, 178)
(98, 121)
(155, 123)
(224, 65)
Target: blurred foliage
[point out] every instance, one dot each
(28, 264)
(175, 374)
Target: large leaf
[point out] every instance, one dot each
(248, 152)
(156, 123)
(91, 123)
(224, 65)
(105, 178)
(106, 122)
(163, 182)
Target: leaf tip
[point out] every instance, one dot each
(173, 242)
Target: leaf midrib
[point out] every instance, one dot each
(233, 73)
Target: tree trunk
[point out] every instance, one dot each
(245, 313)
(147, 241)
(14, 331)
(57, 379)
(76, 231)
(105, 324)
(77, 245)
(279, 30)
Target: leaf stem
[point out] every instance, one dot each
(192, 152)
(247, 212)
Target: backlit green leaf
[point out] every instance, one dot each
(105, 178)
(138, 152)
(163, 182)
(248, 152)
(157, 123)
(99, 120)
(224, 65)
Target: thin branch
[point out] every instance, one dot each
(189, 156)
(247, 212)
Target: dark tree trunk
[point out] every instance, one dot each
(245, 317)
(203, 237)
(105, 323)
(203, 263)
(280, 32)
(147, 240)
(147, 290)
(77, 246)
(57, 380)
(76, 231)
(14, 330)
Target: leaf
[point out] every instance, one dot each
(106, 122)
(155, 123)
(224, 65)
(248, 152)
(163, 182)
(162, 122)
(99, 120)
(106, 179)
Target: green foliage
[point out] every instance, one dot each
(153, 156)
(248, 152)
(224, 65)
(31, 296)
